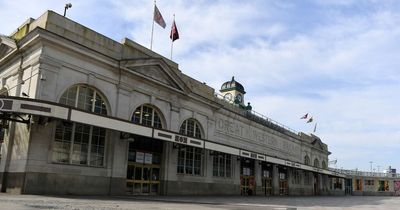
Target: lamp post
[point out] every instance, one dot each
(67, 6)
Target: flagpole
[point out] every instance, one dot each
(172, 39)
(315, 127)
(152, 27)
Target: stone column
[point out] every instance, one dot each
(275, 180)
(257, 176)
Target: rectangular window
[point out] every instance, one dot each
(307, 178)
(369, 182)
(221, 164)
(337, 183)
(383, 185)
(190, 160)
(80, 144)
(62, 143)
(358, 184)
(296, 176)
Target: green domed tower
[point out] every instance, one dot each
(233, 92)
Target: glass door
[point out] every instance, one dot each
(143, 179)
(283, 182)
(247, 179)
(266, 179)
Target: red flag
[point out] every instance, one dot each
(174, 32)
(305, 116)
(158, 17)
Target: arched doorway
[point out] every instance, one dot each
(144, 154)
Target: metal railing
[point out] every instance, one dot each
(365, 173)
(258, 117)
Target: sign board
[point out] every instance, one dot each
(139, 157)
(148, 158)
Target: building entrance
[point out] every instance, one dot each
(316, 184)
(145, 179)
(283, 181)
(144, 166)
(266, 178)
(348, 186)
(247, 179)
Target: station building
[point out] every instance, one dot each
(83, 114)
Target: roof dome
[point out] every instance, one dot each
(232, 85)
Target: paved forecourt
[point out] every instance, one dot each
(22, 202)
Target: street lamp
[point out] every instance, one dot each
(67, 6)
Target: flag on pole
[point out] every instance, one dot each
(158, 17)
(174, 32)
(310, 120)
(305, 116)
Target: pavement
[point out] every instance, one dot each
(24, 202)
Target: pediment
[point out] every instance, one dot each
(317, 143)
(156, 70)
(6, 45)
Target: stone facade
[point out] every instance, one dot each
(54, 54)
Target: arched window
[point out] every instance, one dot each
(76, 143)
(190, 159)
(306, 160)
(148, 116)
(191, 127)
(324, 164)
(316, 163)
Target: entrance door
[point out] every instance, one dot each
(283, 182)
(144, 164)
(267, 186)
(247, 185)
(348, 186)
(316, 184)
(247, 179)
(143, 179)
(266, 179)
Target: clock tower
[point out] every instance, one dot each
(233, 92)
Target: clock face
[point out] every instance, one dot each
(239, 98)
(228, 96)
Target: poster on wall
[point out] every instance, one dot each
(139, 157)
(397, 187)
(148, 158)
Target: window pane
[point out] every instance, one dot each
(157, 120)
(79, 140)
(181, 160)
(97, 147)
(189, 160)
(62, 143)
(147, 116)
(144, 115)
(197, 161)
(228, 165)
(80, 146)
(182, 130)
(215, 164)
(197, 132)
(69, 96)
(136, 115)
(100, 106)
(190, 127)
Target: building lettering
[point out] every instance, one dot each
(243, 131)
(181, 139)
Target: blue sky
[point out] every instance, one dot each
(335, 59)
